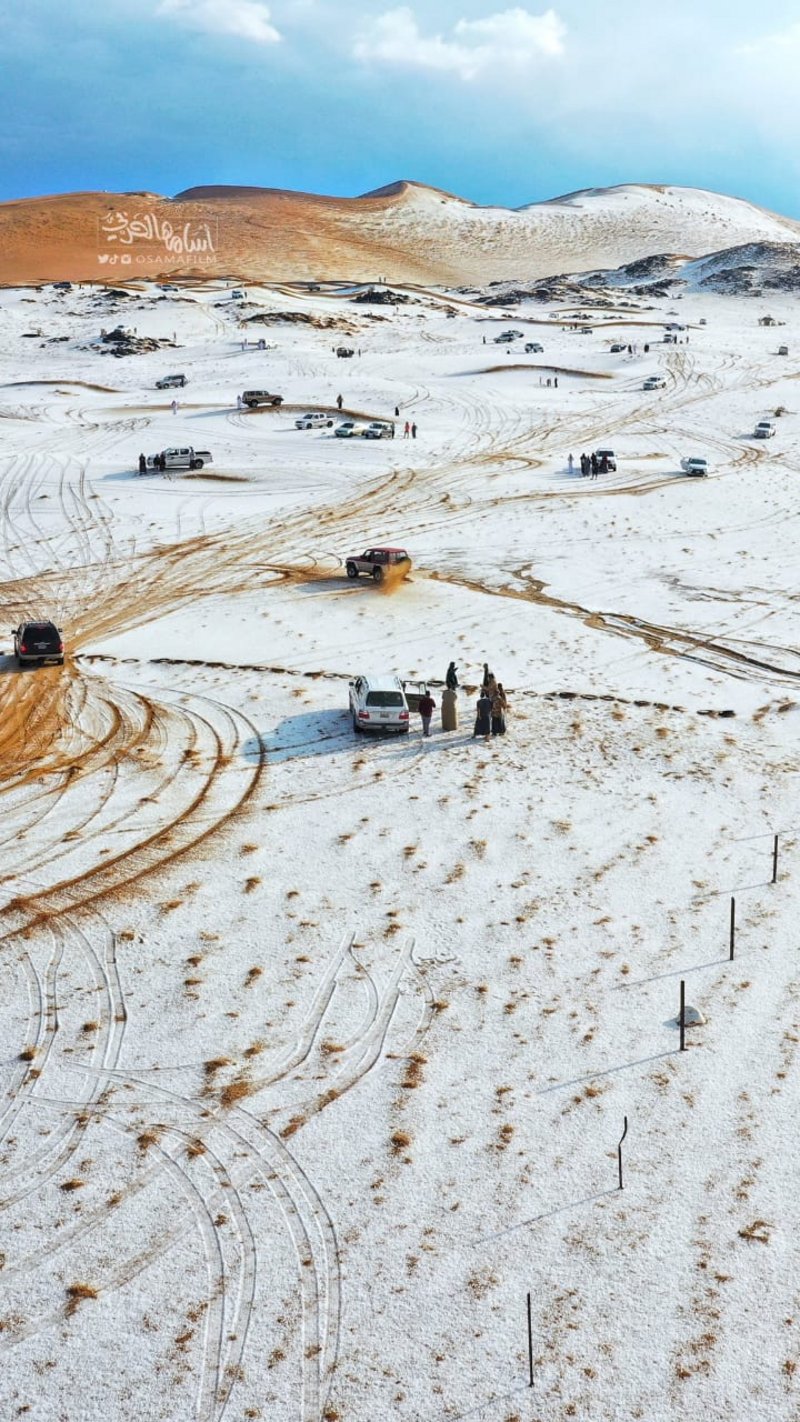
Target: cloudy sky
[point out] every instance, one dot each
(499, 103)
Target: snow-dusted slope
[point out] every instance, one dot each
(403, 231)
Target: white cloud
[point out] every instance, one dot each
(510, 38)
(245, 18)
(772, 45)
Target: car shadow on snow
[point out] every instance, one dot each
(314, 733)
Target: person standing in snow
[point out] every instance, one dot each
(570, 463)
(339, 402)
(593, 465)
(451, 680)
(142, 464)
(407, 430)
(397, 412)
(483, 717)
(426, 707)
(174, 407)
(499, 708)
(414, 431)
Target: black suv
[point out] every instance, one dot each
(38, 642)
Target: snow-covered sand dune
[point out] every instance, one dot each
(403, 232)
(317, 1049)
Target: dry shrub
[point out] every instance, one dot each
(252, 975)
(413, 1076)
(252, 883)
(77, 1294)
(236, 1090)
(215, 1064)
(27, 1054)
(195, 1147)
(401, 1140)
(69, 1185)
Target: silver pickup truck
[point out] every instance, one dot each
(180, 458)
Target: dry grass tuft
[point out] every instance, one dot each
(252, 975)
(401, 1140)
(77, 1294)
(236, 1090)
(251, 884)
(69, 1185)
(27, 1054)
(215, 1064)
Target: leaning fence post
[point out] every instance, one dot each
(733, 929)
(619, 1150)
(775, 860)
(682, 1016)
(530, 1344)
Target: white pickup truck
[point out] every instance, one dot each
(179, 458)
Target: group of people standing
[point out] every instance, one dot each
(591, 466)
(490, 712)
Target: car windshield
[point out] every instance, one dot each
(385, 698)
(45, 636)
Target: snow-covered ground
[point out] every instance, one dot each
(316, 1051)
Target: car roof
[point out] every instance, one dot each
(382, 682)
(382, 548)
(38, 622)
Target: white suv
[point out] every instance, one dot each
(378, 703)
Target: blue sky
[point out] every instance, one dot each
(498, 102)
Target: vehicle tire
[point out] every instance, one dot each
(330, 423)
(352, 570)
(377, 575)
(61, 661)
(356, 727)
(197, 464)
(251, 404)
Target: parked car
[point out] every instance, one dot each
(765, 429)
(344, 352)
(253, 398)
(378, 429)
(674, 326)
(38, 642)
(607, 458)
(314, 420)
(171, 382)
(783, 350)
(237, 296)
(618, 348)
(348, 429)
(670, 338)
(378, 703)
(183, 457)
(586, 330)
(695, 467)
(375, 562)
(533, 348)
(655, 382)
(504, 340)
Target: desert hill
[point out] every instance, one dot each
(404, 232)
